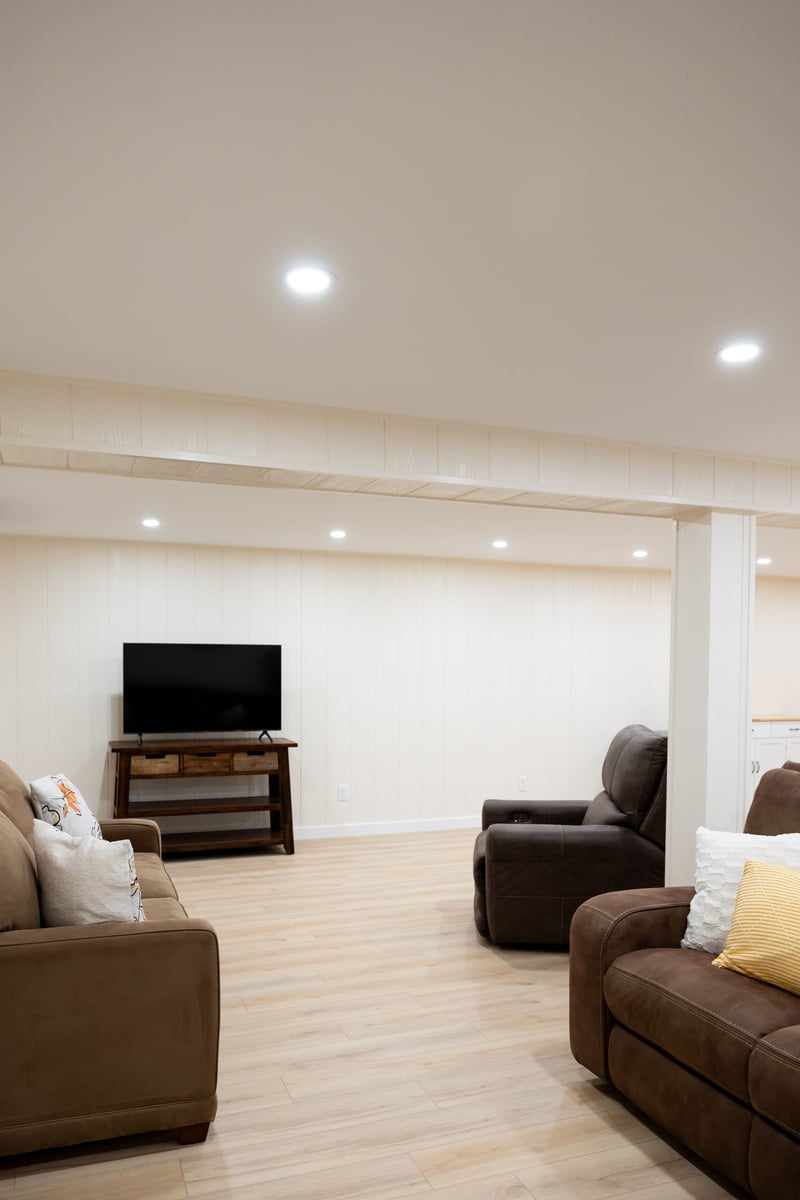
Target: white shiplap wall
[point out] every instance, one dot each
(424, 684)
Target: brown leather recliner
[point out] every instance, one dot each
(537, 861)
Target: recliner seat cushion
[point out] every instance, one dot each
(708, 1019)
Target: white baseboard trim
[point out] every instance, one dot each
(310, 832)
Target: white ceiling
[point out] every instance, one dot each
(542, 214)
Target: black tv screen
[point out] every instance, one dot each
(185, 688)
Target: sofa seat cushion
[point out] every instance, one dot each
(154, 879)
(164, 908)
(706, 1018)
(775, 1078)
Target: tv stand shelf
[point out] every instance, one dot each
(233, 758)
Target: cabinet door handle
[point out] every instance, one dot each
(758, 768)
(794, 729)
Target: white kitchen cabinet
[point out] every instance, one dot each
(772, 744)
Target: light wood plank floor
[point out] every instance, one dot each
(373, 1047)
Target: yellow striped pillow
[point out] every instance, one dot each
(764, 938)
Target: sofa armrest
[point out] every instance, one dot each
(144, 836)
(532, 812)
(602, 929)
(106, 1017)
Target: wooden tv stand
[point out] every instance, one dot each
(234, 758)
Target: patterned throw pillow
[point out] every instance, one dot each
(85, 880)
(764, 940)
(719, 863)
(59, 803)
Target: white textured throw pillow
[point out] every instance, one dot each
(719, 864)
(83, 881)
(59, 803)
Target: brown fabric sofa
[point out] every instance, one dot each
(712, 1056)
(108, 1029)
(536, 861)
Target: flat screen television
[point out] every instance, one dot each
(170, 687)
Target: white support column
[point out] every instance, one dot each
(713, 587)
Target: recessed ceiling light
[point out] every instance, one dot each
(308, 280)
(338, 533)
(763, 562)
(500, 543)
(640, 554)
(151, 522)
(738, 353)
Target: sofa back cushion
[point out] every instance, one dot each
(634, 784)
(19, 895)
(15, 802)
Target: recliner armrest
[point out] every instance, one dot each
(532, 812)
(536, 876)
(144, 835)
(547, 843)
(602, 929)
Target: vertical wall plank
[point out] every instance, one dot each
(365, 714)
(180, 583)
(431, 688)
(235, 595)
(35, 406)
(98, 708)
(412, 447)
(395, 746)
(32, 681)
(413, 732)
(262, 598)
(106, 416)
(464, 451)
(356, 442)
(152, 593)
(342, 737)
(9, 654)
(310, 780)
(209, 592)
(64, 699)
(171, 421)
(289, 630)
